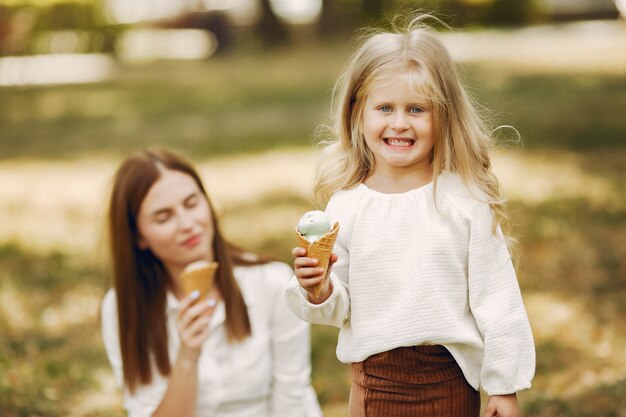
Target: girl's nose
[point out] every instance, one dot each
(399, 122)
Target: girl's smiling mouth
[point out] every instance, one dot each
(399, 142)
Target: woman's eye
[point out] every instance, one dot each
(191, 201)
(162, 217)
(385, 109)
(416, 110)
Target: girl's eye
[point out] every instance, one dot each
(416, 110)
(385, 109)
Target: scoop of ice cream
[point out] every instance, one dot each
(313, 225)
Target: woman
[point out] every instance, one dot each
(240, 352)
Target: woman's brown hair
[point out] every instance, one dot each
(140, 279)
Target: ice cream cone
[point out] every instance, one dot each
(200, 276)
(321, 249)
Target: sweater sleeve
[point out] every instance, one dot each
(496, 303)
(335, 311)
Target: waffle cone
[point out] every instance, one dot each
(321, 250)
(199, 276)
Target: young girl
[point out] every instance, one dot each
(422, 286)
(239, 353)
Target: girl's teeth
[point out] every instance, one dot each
(396, 142)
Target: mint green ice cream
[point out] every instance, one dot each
(313, 225)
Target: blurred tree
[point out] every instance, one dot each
(269, 28)
(5, 29)
(326, 25)
(510, 13)
(215, 22)
(67, 16)
(454, 12)
(338, 18)
(372, 10)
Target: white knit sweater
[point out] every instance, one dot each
(411, 273)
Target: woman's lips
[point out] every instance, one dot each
(192, 241)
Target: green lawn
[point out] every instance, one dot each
(238, 117)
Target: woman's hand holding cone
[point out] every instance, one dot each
(310, 275)
(193, 324)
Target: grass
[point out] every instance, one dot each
(216, 107)
(247, 123)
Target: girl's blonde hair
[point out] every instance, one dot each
(462, 141)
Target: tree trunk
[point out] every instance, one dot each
(372, 10)
(325, 24)
(269, 28)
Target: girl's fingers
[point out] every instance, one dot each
(305, 262)
(298, 251)
(307, 271)
(308, 283)
(304, 273)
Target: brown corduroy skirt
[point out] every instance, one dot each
(417, 381)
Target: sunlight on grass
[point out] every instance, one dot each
(594, 352)
(75, 307)
(103, 397)
(536, 177)
(13, 312)
(583, 47)
(236, 181)
(61, 205)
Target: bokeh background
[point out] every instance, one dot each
(239, 87)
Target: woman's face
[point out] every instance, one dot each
(174, 221)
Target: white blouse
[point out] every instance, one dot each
(267, 375)
(412, 271)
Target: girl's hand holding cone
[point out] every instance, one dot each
(316, 236)
(310, 275)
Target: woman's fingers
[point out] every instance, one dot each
(195, 328)
(193, 322)
(191, 312)
(189, 300)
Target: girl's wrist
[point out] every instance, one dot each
(324, 294)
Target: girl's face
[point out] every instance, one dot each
(397, 125)
(174, 221)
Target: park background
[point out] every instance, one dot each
(240, 87)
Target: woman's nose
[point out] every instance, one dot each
(185, 220)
